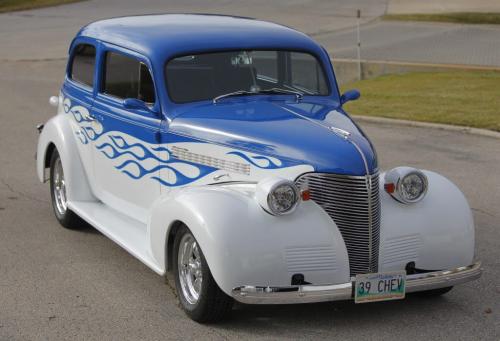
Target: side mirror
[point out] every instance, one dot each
(136, 104)
(350, 95)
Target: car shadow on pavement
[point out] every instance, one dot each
(311, 319)
(84, 227)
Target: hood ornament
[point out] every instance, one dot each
(344, 133)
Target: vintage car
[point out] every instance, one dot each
(215, 148)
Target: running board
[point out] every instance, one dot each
(127, 232)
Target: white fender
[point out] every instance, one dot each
(58, 131)
(244, 245)
(436, 233)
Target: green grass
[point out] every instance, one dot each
(465, 98)
(462, 17)
(19, 5)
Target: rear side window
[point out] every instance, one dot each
(82, 67)
(126, 77)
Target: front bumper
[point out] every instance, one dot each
(345, 291)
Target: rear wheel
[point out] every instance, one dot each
(58, 193)
(199, 295)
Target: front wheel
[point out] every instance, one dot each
(65, 216)
(199, 295)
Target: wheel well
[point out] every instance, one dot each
(48, 154)
(46, 162)
(174, 227)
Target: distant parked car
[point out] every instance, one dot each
(216, 147)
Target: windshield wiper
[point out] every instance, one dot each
(298, 95)
(235, 93)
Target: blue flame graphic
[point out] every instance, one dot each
(119, 147)
(250, 159)
(132, 156)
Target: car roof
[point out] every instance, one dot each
(161, 36)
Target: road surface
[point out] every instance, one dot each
(57, 284)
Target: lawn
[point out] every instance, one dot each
(462, 17)
(19, 5)
(465, 98)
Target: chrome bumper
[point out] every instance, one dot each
(344, 291)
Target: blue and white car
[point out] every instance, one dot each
(215, 148)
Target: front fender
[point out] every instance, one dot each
(436, 233)
(244, 245)
(58, 131)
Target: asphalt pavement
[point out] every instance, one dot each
(46, 33)
(57, 284)
(437, 43)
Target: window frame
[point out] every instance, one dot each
(69, 68)
(111, 48)
(278, 49)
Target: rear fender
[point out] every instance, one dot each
(58, 132)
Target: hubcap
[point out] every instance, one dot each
(189, 267)
(59, 188)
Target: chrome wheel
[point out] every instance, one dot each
(189, 265)
(59, 188)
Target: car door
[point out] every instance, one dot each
(78, 96)
(125, 156)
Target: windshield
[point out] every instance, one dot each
(210, 75)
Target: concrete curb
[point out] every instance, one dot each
(447, 127)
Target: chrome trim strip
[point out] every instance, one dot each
(231, 166)
(344, 291)
(368, 180)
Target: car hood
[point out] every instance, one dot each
(299, 132)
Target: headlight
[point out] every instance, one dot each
(405, 184)
(278, 196)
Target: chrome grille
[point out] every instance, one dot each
(354, 205)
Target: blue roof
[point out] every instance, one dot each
(166, 35)
(161, 37)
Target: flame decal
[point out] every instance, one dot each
(268, 163)
(90, 129)
(134, 159)
(136, 153)
(119, 147)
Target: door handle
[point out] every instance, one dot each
(92, 118)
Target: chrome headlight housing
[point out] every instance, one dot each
(278, 196)
(405, 184)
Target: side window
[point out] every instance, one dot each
(126, 77)
(82, 67)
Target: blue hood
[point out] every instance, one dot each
(297, 132)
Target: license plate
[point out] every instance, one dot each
(383, 286)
